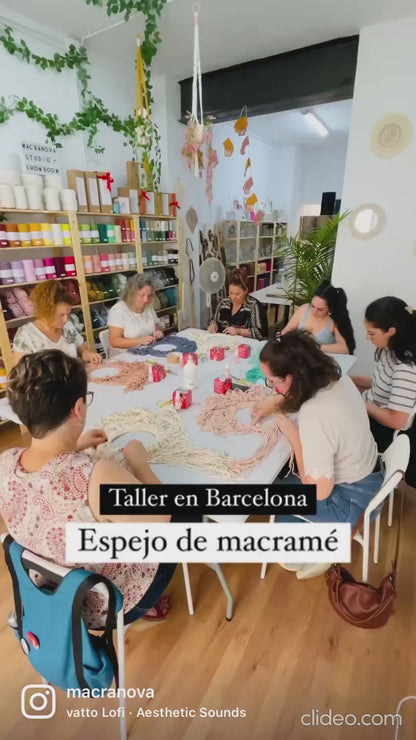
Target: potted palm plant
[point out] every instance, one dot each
(308, 262)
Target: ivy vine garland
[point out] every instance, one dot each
(138, 134)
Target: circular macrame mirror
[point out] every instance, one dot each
(391, 135)
(367, 221)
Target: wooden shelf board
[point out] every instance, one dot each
(89, 275)
(35, 282)
(103, 300)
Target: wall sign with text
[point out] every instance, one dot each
(39, 159)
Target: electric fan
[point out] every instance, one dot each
(211, 278)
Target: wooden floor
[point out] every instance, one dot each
(284, 653)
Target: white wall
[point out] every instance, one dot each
(58, 93)
(386, 264)
(323, 170)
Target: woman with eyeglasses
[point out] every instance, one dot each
(54, 481)
(390, 395)
(52, 328)
(332, 443)
(327, 318)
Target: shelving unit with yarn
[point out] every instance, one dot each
(93, 254)
(254, 247)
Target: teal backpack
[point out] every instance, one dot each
(51, 629)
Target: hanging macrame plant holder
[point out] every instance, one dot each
(194, 135)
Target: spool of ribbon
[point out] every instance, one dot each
(107, 177)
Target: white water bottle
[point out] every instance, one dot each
(227, 370)
(190, 374)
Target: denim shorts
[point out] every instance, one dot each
(346, 503)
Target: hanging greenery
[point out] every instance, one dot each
(141, 135)
(152, 10)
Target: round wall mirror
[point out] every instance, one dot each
(367, 221)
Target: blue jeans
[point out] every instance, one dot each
(346, 503)
(161, 580)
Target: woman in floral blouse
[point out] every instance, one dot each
(52, 329)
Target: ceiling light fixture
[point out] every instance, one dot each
(315, 123)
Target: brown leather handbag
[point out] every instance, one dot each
(361, 604)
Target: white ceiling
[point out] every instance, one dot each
(289, 128)
(231, 31)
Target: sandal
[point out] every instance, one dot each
(162, 609)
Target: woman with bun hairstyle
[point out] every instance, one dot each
(390, 395)
(52, 328)
(239, 314)
(327, 318)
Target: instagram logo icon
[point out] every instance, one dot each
(38, 701)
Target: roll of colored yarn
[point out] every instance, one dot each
(68, 200)
(85, 234)
(13, 235)
(66, 235)
(47, 237)
(87, 260)
(119, 261)
(57, 235)
(132, 230)
(29, 270)
(6, 196)
(70, 266)
(36, 235)
(132, 261)
(39, 269)
(164, 300)
(20, 197)
(111, 234)
(95, 234)
(4, 242)
(117, 233)
(102, 230)
(25, 235)
(18, 272)
(6, 275)
(171, 296)
(50, 271)
(244, 351)
(34, 197)
(96, 263)
(59, 263)
(112, 262)
(125, 261)
(105, 267)
(51, 196)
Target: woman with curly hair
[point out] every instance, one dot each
(52, 328)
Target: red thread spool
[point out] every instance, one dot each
(70, 267)
(222, 385)
(158, 373)
(217, 353)
(244, 351)
(185, 395)
(193, 356)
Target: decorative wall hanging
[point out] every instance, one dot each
(191, 219)
(228, 148)
(251, 202)
(391, 135)
(198, 131)
(248, 165)
(367, 221)
(248, 185)
(204, 340)
(180, 344)
(241, 125)
(244, 146)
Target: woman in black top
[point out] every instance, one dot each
(239, 314)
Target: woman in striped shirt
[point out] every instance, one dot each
(390, 394)
(239, 314)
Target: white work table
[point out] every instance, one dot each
(273, 294)
(109, 398)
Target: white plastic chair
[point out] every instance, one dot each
(408, 424)
(104, 337)
(53, 572)
(396, 460)
(221, 577)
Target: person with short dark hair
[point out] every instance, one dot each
(390, 395)
(54, 481)
(239, 314)
(52, 328)
(332, 443)
(327, 318)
